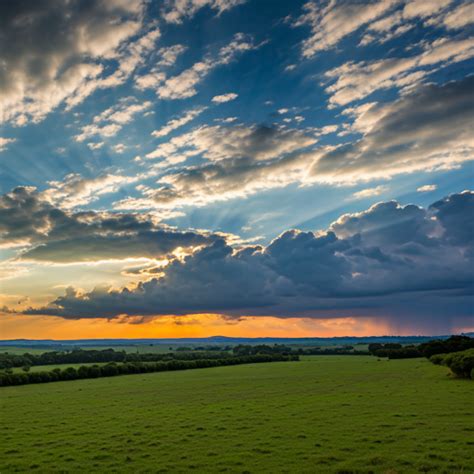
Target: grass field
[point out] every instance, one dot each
(322, 414)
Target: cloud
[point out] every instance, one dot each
(424, 8)
(220, 99)
(426, 130)
(355, 81)
(111, 120)
(427, 188)
(334, 20)
(55, 53)
(460, 17)
(402, 263)
(175, 11)
(184, 84)
(76, 191)
(369, 192)
(95, 146)
(240, 161)
(156, 75)
(48, 233)
(4, 142)
(178, 122)
(218, 142)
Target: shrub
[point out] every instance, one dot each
(461, 363)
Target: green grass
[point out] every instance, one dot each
(322, 414)
(23, 350)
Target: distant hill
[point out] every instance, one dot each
(320, 341)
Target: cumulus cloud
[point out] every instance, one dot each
(57, 53)
(175, 11)
(111, 120)
(220, 99)
(184, 84)
(331, 22)
(355, 81)
(178, 122)
(399, 262)
(51, 234)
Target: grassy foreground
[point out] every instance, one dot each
(322, 414)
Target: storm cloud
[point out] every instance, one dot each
(390, 261)
(51, 234)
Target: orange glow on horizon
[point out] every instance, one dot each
(201, 325)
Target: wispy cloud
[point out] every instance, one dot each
(370, 192)
(174, 124)
(220, 99)
(184, 84)
(111, 120)
(427, 188)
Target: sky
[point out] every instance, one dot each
(186, 168)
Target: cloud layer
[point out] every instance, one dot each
(47, 233)
(392, 261)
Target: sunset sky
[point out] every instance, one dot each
(186, 168)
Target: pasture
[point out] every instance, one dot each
(321, 414)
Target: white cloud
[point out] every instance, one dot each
(119, 148)
(355, 81)
(370, 192)
(460, 17)
(156, 74)
(111, 120)
(87, 47)
(220, 99)
(4, 142)
(178, 122)
(217, 143)
(175, 11)
(427, 188)
(95, 146)
(428, 129)
(331, 23)
(424, 8)
(184, 84)
(76, 191)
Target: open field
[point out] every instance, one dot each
(322, 414)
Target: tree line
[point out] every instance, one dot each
(80, 356)
(426, 349)
(112, 369)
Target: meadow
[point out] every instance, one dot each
(334, 414)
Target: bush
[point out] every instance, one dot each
(461, 363)
(447, 346)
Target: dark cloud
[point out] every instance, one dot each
(399, 262)
(428, 129)
(56, 235)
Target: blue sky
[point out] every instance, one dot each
(241, 119)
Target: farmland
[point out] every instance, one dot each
(321, 414)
